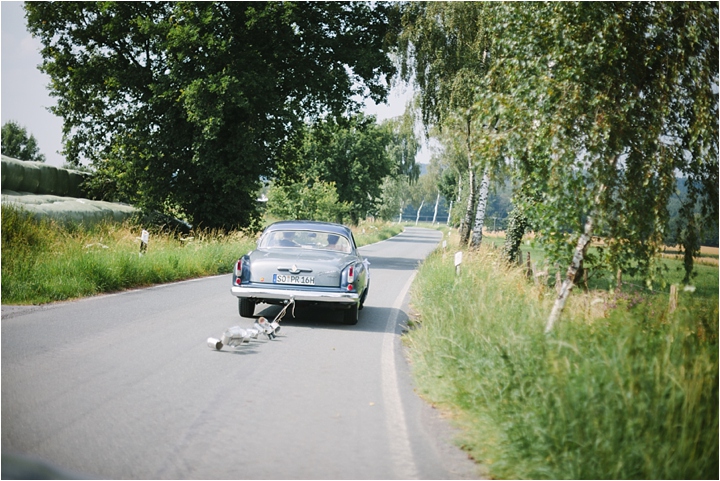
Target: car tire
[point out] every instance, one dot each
(246, 307)
(364, 296)
(350, 316)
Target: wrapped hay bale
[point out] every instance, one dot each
(12, 173)
(48, 179)
(41, 178)
(75, 179)
(24, 199)
(63, 182)
(31, 178)
(69, 209)
(118, 212)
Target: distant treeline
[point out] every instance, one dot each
(500, 204)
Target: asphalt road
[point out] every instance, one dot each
(125, 386)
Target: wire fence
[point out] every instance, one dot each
(492, 224)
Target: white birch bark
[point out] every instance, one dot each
(437, 201)
(418, 213)
(449, 213)
(465, 228)
(480, 211)
(568, 283)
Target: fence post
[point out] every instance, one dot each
(673, 298)
(458, 261)
(528, 267)
(144, 238)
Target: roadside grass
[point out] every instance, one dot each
(43, 261)
(622, 389)
(369, 232)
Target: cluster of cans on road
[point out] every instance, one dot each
(236, 336)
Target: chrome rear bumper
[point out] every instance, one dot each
(261, 294)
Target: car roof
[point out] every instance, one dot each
(310, 225)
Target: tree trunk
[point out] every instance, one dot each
(480, 212)
(418, 213)
(449, 213)
(465, 228)
(514, 232)
(567, 284)
(461, 228)
(437, 201)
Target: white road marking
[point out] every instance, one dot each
(400, 449)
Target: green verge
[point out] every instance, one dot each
(45, 261)
(623, 389)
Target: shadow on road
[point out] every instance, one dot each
(392, 263)
(371, 319)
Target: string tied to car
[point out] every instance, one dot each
(236, 336)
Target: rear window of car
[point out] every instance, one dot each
(306, 240)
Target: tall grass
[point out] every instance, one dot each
(43, 261)
(369, 232)
(622, 392)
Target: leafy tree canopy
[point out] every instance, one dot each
(182, 107)
(350, 153)
(600, 106)
(16, 143)
(311, 199)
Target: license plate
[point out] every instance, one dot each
(290, 279)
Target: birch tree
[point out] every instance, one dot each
(480, 212)
(445, 52)
(600, 106)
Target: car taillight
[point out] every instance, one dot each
(238, 271)
(351, 275)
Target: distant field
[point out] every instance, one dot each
(708, 255)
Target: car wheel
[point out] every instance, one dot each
(364, 296)
(350, 316)
(246, 307)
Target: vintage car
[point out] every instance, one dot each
(309, 262)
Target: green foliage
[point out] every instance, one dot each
(403, 145)
(16, 143)
(394, 197)
(315, 200)
(679, 202)
(599, 106)
(624, 389)
(516, 226)
(351, 154)
(444, 49)
(369, 232)
(44, 261)
(183, 107)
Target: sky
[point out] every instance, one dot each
(25, 97)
